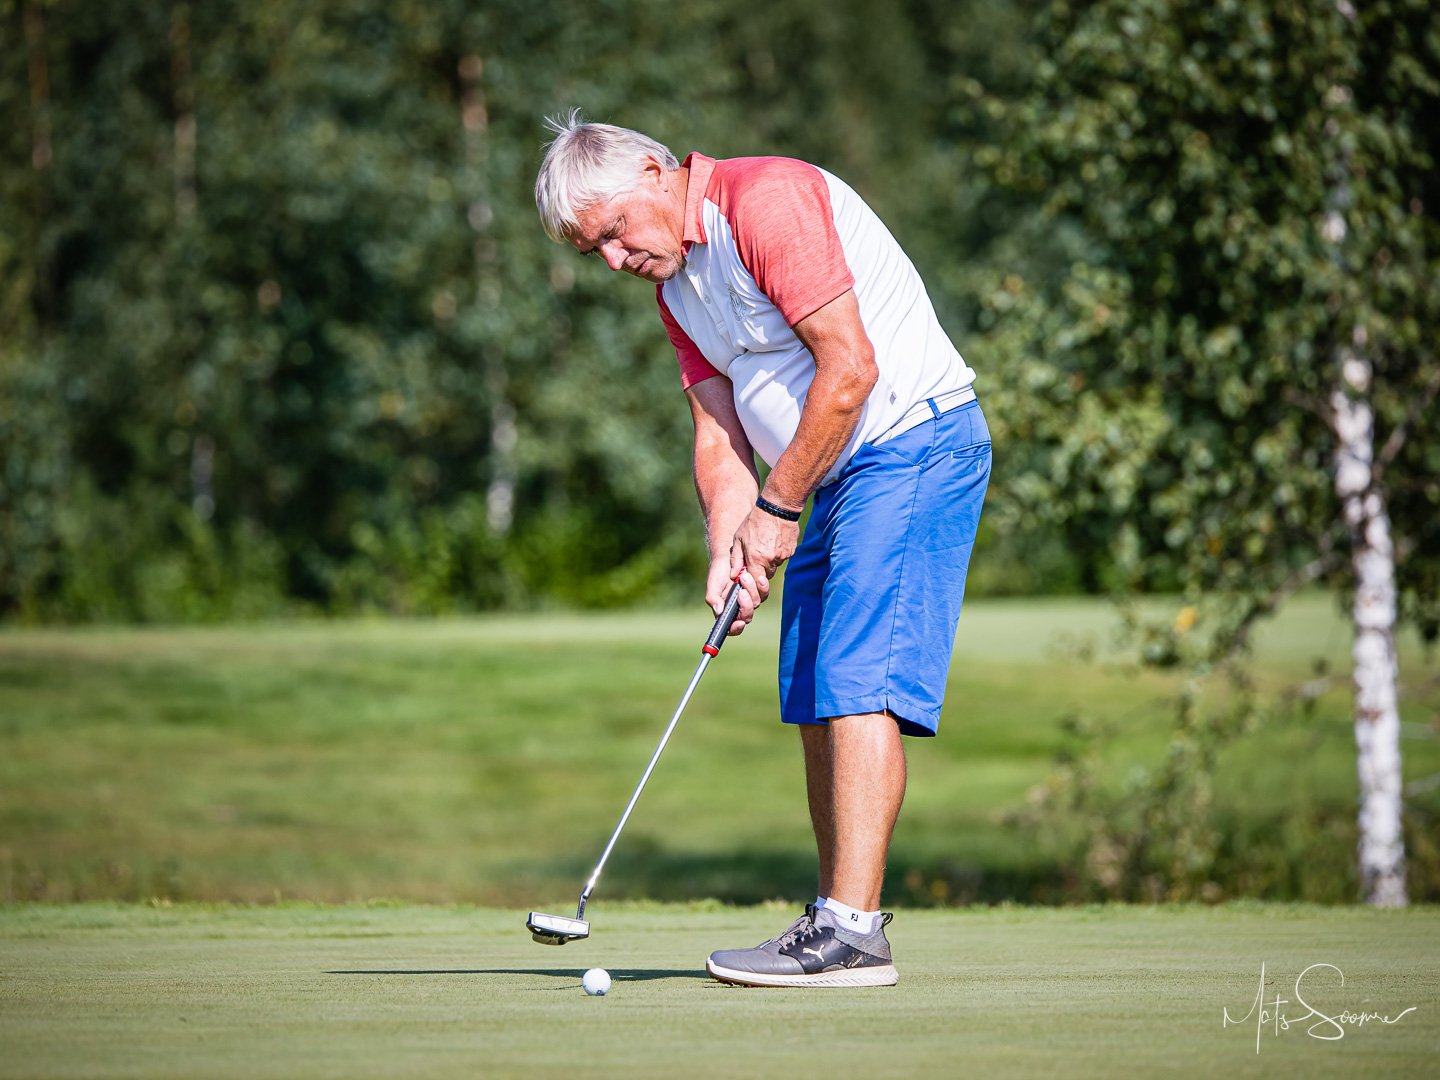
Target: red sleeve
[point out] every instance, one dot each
(784, 227)
(694, 368)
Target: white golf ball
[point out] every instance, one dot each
(596, 982)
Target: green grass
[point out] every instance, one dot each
(486, 760)
(103, 990)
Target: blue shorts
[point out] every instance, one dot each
(872, 596)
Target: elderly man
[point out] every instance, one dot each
(804, 335)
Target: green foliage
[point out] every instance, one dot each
(139, 556)
(1169, 387)
(278, 272)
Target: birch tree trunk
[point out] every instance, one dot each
(500, 491)
(186, 142)
(1372, 559)
(1377, 712)
(41, 151)
(183, 85)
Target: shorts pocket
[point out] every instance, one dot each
(908, 448)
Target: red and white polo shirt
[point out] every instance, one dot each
(769, 241)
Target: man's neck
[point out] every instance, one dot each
(682, 187)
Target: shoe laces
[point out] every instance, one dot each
(803, 927)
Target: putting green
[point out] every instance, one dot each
(104, 990)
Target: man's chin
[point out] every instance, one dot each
(657, 270)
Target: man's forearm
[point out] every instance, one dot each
(832, 410)
(725, 478)
(727, 490)
(845, 373)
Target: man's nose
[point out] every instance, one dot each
(613, 253)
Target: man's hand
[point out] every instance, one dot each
(717, 591)
(762, 543)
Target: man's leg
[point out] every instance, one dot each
(867, 628)
(855, 776)
(855, 781)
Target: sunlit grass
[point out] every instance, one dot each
(487, 759)
(300, 990)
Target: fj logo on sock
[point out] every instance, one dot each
(854, 917)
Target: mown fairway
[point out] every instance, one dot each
(486, 760)
(306, 991)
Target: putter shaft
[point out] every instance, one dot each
(555, 929)
(684, 700)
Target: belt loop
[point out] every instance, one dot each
(933, 407)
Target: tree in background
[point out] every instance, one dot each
(279, 287)
(279, 330)
(1233, 382)
(280, 326)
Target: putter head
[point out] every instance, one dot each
(556, 929)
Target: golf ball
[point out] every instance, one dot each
(596, 982)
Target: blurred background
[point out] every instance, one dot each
(282, 343)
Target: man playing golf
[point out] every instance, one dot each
(805, 335)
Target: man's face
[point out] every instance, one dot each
(640, 232)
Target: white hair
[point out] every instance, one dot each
(587, 164)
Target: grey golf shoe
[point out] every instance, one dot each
(816, 950)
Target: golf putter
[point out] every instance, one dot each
(556, 929)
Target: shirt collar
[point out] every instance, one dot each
(700, 168)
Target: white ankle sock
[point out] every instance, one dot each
(853, 919)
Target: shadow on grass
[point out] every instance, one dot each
(570, 975)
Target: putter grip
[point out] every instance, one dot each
(722, 624)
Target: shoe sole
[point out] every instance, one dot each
(885, 975)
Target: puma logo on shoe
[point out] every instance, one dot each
(819, 953)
